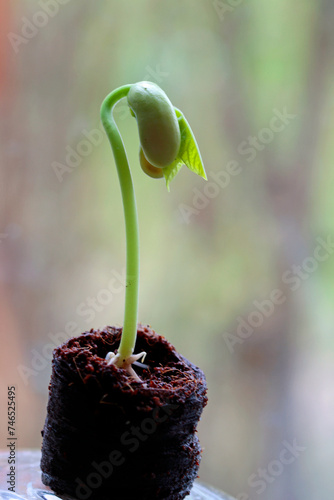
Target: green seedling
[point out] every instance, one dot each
(166, 143)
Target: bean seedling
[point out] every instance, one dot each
(166, 143)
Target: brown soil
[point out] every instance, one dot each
(109, 436)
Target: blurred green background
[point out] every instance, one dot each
(237, 272)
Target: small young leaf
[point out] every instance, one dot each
(171, 171)
(188, 154)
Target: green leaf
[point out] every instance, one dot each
(188, 154)
(171, 171)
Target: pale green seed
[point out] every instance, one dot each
(159, 131)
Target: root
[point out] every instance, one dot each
(115, 359)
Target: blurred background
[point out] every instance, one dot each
(236, 272)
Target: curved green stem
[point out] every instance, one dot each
(131, 224)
